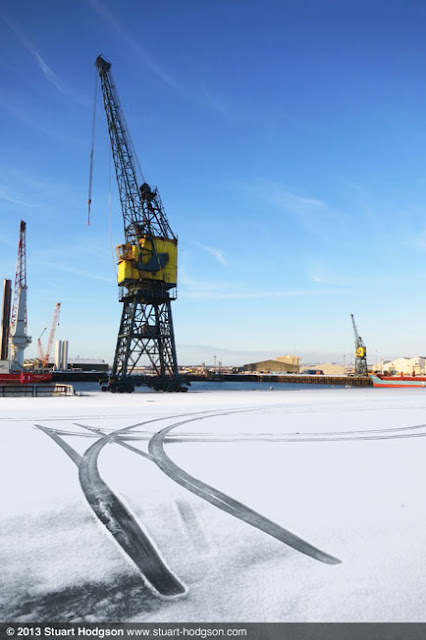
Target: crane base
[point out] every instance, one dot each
(128, 384)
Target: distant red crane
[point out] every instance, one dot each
(44, 355)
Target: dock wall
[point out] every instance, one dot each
(95, 376)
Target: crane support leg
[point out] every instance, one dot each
(145, 338)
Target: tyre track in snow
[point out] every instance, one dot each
(118, 520)
(123, 526)
(209, 493)
(387, 433)
(225, 502)
(115, 516)
(90, 477)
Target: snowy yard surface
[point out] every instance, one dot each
(343, 469)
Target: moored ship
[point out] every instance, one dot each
(398, 381)
(25, 378)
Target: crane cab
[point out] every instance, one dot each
(148, 259)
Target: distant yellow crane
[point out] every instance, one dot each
(44, 356)
(361, 368)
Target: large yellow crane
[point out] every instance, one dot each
(147, 266)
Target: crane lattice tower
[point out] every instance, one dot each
(18, 338)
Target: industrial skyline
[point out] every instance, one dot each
(287, 141)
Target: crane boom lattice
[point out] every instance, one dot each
(46, 355)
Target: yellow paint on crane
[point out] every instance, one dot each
(132, 258)
(360, 352)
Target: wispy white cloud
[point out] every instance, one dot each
(191, 287)
(49, 74)
(296, 203)
(218, 293)
(314, 215)
(46, 70)
(8, 196)
(201, 96)
(308, 210)
(149, 61)
(217, 253)
(65, 268)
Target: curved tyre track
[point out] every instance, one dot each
(224, 502)
(124, 527)
(118, 520)
(205, 491)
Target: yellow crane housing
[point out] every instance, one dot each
(154, 259)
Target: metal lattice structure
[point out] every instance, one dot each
(45, 355)
(21, 274)
(147, 265)
(18, 338)
(361, 368)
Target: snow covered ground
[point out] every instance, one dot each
(343, 469)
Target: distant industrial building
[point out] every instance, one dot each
(416, 364)
(75, 364)
(328, 368)
(282, 364)
(84, 364)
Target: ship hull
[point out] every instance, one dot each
(24, 378)
(398, 382)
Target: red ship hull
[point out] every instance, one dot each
(24, 378)
(401, 382)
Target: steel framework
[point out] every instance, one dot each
(18, 338)
(44, 355)
(20, 275)
(146, 334)
(361, 368)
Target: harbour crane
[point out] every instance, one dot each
(40, 346)
(147, 266)
(361, 368)
(45, 355)
(18, 338)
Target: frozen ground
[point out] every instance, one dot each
(359, 497)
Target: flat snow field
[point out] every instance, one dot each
(344, 469)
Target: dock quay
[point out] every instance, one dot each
(294, 378)
(78, 376)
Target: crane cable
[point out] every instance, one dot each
(110, 217)
(89, 201)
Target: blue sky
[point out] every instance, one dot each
(288, 143)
